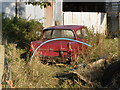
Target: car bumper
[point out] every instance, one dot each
(55, 58)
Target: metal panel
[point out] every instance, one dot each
(76, 18)
(95, 21)
(8, 9)
(34, 12)
(68, 18)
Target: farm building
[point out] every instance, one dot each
(102, 17)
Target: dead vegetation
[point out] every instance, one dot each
(87, 73)
(24, 74)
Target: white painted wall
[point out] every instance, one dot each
(58, 14)
(34, 12)
(92, 20)
(25, 11)
(8, 9)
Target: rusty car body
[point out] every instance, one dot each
(60, 50)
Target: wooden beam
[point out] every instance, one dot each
(2, 52)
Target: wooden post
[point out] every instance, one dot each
(2, 52)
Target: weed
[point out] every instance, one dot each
(34, 74)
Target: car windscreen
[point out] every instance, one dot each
(48, 34)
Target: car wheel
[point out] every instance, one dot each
(111, 75)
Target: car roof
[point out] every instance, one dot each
(61, 27)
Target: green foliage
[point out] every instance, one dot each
(41, 4)
(21, 31)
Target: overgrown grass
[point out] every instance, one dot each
(34, 74)
(31, 74)
(37, 75)
(101, 47)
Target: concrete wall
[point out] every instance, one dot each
(93, 20)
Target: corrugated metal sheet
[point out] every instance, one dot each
(34, 12)
(25, 11)
(95, 20)
(8, 9)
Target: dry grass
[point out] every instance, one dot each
(37, 75)
(34, 75)
(31, 74)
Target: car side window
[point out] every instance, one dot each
(85, 33)
(62, 33)
(79, 33)
(47, 34)
(67, 34)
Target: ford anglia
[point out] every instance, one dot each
(60, 43)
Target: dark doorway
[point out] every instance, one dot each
(113, 18)
(84, 6)
(111, 8)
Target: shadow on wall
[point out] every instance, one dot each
(9, 9)
(102, 17)
(113, 25)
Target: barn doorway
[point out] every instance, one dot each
(113, 19)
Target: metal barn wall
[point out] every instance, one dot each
(23, 10)
(113, 17)
(93, 20)
(34, 12)
(8, 9)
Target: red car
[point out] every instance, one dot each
(60, 43)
